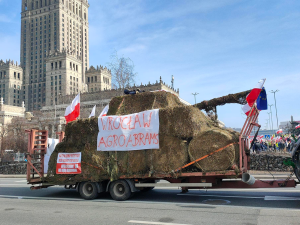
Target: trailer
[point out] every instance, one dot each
(123, 188)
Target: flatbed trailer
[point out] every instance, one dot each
(123, 188)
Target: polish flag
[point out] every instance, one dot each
(279, 131)
(246, 109)
(298, 126)
(252, 96)
(93, 112)
(104, 111)
(73, 110)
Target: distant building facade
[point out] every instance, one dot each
(98, 79)
(8, 112)
(63, 76)
(49, 26)
(11, 82)
(54, 66)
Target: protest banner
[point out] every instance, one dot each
(68, 163)
(129, 132)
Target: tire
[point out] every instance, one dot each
(146, 189)
(119, 190)
(88, 190)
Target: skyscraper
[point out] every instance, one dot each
(51, 28)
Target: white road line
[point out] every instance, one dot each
(159, 223)
(19, 181)
(222, 196)
(281, 198)
(13, 185)
(42, 198)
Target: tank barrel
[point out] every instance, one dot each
(248, 179)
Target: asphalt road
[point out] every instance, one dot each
(55, 205)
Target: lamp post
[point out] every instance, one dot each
(270, 122)
(195, 96)
(274, 92)
(267, 124)
(271, 116)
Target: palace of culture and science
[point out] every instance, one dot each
(54, 64)
(54, 58)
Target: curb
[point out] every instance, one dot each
(13, 176)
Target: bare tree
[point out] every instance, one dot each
(122, 71)
(15, 138)
(3, 133)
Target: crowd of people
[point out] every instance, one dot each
(280, 144)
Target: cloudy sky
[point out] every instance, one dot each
(211, 47)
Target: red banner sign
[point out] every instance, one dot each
(68, 163)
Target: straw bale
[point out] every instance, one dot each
(131, 162)
(82, 131)
(139, 102)
(172, 153)
(209, 141)
(183, 121)
(235, 137)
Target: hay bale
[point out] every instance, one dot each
(131, 162)
(209, 141)
(82, 131)
(183, 121)
(172, 153)
(129, 104)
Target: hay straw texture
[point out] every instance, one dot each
(129, 104)
(209, 141)
(183, 121)
(172, 153)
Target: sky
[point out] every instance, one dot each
(213, 48)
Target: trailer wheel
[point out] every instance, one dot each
(88, 190)
(120, 190)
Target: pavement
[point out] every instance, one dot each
(13, 175)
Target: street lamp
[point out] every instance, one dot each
(274, 92)
(270, 121)
(267, 124)
(195, 96)
(271, 115)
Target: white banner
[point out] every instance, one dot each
(68, 163)
(130, 132)
(51, 146)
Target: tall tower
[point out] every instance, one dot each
(51, 26)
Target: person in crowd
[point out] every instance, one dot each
(276, 147)
(257, 147)
(270, 146)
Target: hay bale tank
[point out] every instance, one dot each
(193, 152)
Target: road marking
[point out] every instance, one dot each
(13, 184)
(159, 223)
(222, 196)
(19, 181)
(41, 198)
(281, 198)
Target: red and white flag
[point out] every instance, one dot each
(104, 111)
(252, 96)
(93, 112)
(298, 126)
(73, 110)
(279, 131)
